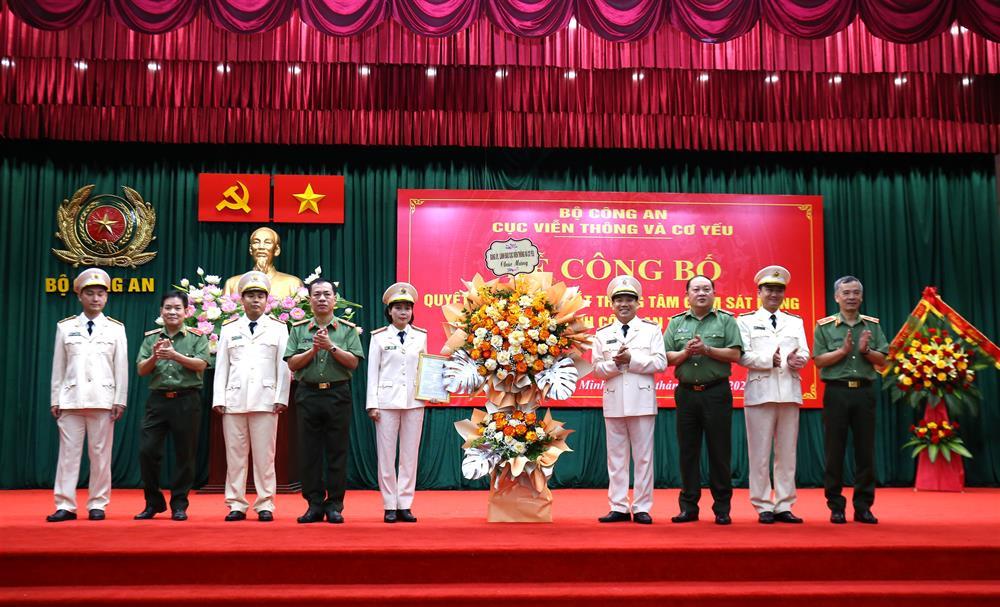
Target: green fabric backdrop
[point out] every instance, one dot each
(898, 222)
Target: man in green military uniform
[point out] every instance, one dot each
(703, 343)
(322, 353)
(176, 356)
(849, 347)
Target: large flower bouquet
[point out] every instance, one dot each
(520, 340)
(937, 438)
(935, 364)
(209, 306)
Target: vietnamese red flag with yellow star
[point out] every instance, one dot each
(234, 197)
(309, 198)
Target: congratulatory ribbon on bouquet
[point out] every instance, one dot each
(931, 304)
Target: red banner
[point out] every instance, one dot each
(234, 197)
(309, 198)
(587, 238)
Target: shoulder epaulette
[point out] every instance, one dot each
(377, 331)
(869, 318)
(827, 320)
(790, 314)
(118, 322)
(67, 318)
(724, 311)
(679, 314)
(154, 332)
(606, 327)
(418, 329)
(301, 322)
(195, 331)
(652, 322)
(346, 322)
(747, 314)
(227, 321)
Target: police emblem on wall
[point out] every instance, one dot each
(105, 230)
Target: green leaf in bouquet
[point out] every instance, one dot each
(918, 449)
(960, 449)
(932, 452)
(946, 452)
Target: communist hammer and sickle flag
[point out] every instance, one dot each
(234, 197)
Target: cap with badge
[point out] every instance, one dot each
(773, 275)
(92, 277)
(624, 285)
(400, 291)
(254, 281)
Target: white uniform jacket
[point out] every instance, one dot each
(629, 390)
(250, 371)
(392, 368)
(89, 371)
(765, 382)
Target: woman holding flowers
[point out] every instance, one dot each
(399, 418)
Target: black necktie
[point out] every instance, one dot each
(774, 321)
(624, 330)
(402, 337)
(253, 325)
(90, 327)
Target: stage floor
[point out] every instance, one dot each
(940, 546)
(907, 518)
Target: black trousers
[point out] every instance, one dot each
(708, 413)
(849, 409)
(180, 417)
(324, 420)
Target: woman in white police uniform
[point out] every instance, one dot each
(392, 377)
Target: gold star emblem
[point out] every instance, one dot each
(107, 223)
(308, 199)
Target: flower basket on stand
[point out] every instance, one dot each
(520, 341)
(932, 363)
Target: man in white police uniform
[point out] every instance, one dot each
(251, 388)
(89, 389)
(627, 354)
(775, 351)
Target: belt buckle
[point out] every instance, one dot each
(170, 394)
(698, 387)
(854, 383)
(323, 386)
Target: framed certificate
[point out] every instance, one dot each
(430, 378)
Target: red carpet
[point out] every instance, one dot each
(935, 546)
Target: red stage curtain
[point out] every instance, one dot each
(902, 21)
(851, 51)
(400, 105)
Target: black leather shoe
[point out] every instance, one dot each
(404, 515)
(61, 515)
(766, 518)
(96, 514)
(787, 517)
(235, 515)
(389, 516)
(265, 516)
(837, 517)
(179, 514)
(685, 517)
(312, 515)
(866, 517)
(615, 517)
(149, 513)
(642, 518)
(332, 516)
(723, 519)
